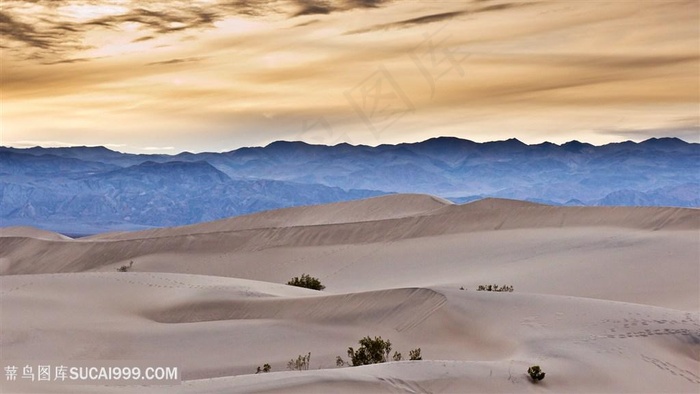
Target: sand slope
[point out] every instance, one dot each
(219, 327)
(370, 209)
(535, 247)
(606, 299)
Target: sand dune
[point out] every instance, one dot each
(606, 299)
(220, 327)
(31, 232)
(536, 247)
(371, 209)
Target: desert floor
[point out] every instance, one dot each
(606, 300)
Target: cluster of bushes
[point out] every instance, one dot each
(504, 288)
(300, 364)
(306, 281)
(371, 351)
(374, 351)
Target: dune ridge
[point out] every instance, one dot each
(370, 209)
(32, 232)
(24, 254)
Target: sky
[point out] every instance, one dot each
(155, 76)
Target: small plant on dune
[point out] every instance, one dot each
(306, 281)
(265, 368)
(497, 288)
(535, 373)
(397, 356)
(414, 355)
(339, 362)
(300, 364)
(125, 268)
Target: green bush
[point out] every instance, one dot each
(504, 288)
(300, 364)
(374, 351)
(414, 355)
(306, 281)
(371, 351)
(125, 268)
(535, 373)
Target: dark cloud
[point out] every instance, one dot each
(253, 8)
(432, 18)
(161, 22)
(23, 32)
(365, 3)
(411, 22)
(50, 35)
(318, 7)
(68, 61)
(40, 40)
(314, 10)
(499, 7)
(144, 38)
(176, 61)
(307, 23)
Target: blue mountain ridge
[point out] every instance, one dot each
(97, 189)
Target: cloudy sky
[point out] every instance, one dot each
(215, 75)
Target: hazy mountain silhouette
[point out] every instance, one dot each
(94, 188)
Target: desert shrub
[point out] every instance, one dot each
(307, 281)
(535, 373)
(265, 368)
(497, 288)
(462, 288)
(300, 364)
(374, 351)
(414, 355)
(371, 351)
(125, 268)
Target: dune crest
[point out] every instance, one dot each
(32, 232)
(391, 206)
(372, 221)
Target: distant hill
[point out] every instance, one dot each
(94, 188)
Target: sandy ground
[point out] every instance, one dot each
(605, 300)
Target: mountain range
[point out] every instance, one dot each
(84, 190)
